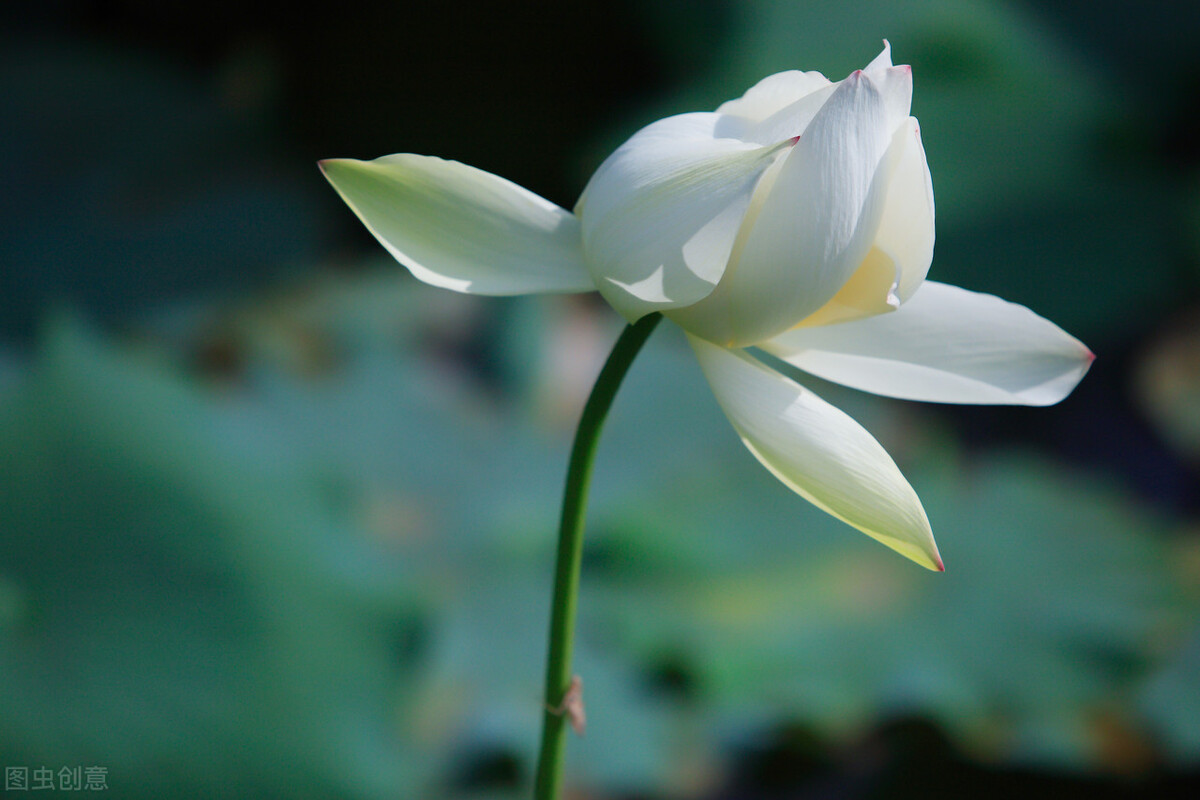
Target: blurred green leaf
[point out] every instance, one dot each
(363, 557)
(179, 611)
(1057, 601)
(1171, 701)
(1056, 598)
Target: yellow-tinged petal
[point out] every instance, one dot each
(906, 231)
(870, 291)
(818, 451)
(817, 221)
(461, 228)
(899, 258)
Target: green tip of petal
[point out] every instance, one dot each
(332, 169)
(328, 165)
(460, 228)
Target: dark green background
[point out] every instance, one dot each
(276, 520)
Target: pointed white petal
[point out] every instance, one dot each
(461, 228)
(902, 251)
(819, 220)
(661, 214)
(883, 60)
(895, 83)
(818, 451)
(782, 105)
(944, 345)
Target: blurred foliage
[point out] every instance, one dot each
(163, 588)
(281, 565)
(289, 533)
(132, 185)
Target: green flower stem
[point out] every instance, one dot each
(570, 552)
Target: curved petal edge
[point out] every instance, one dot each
(818, 451)
(817, 221)
(945, 345)
(460, 228)
(661, 214)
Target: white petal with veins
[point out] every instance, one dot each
(945, 345)
(818, 451)
(461, 228)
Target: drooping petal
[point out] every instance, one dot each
(818, 222)
(818, 451)
(461, 228)
(661, 214)
(946, 345)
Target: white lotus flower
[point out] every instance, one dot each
(797, 218)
